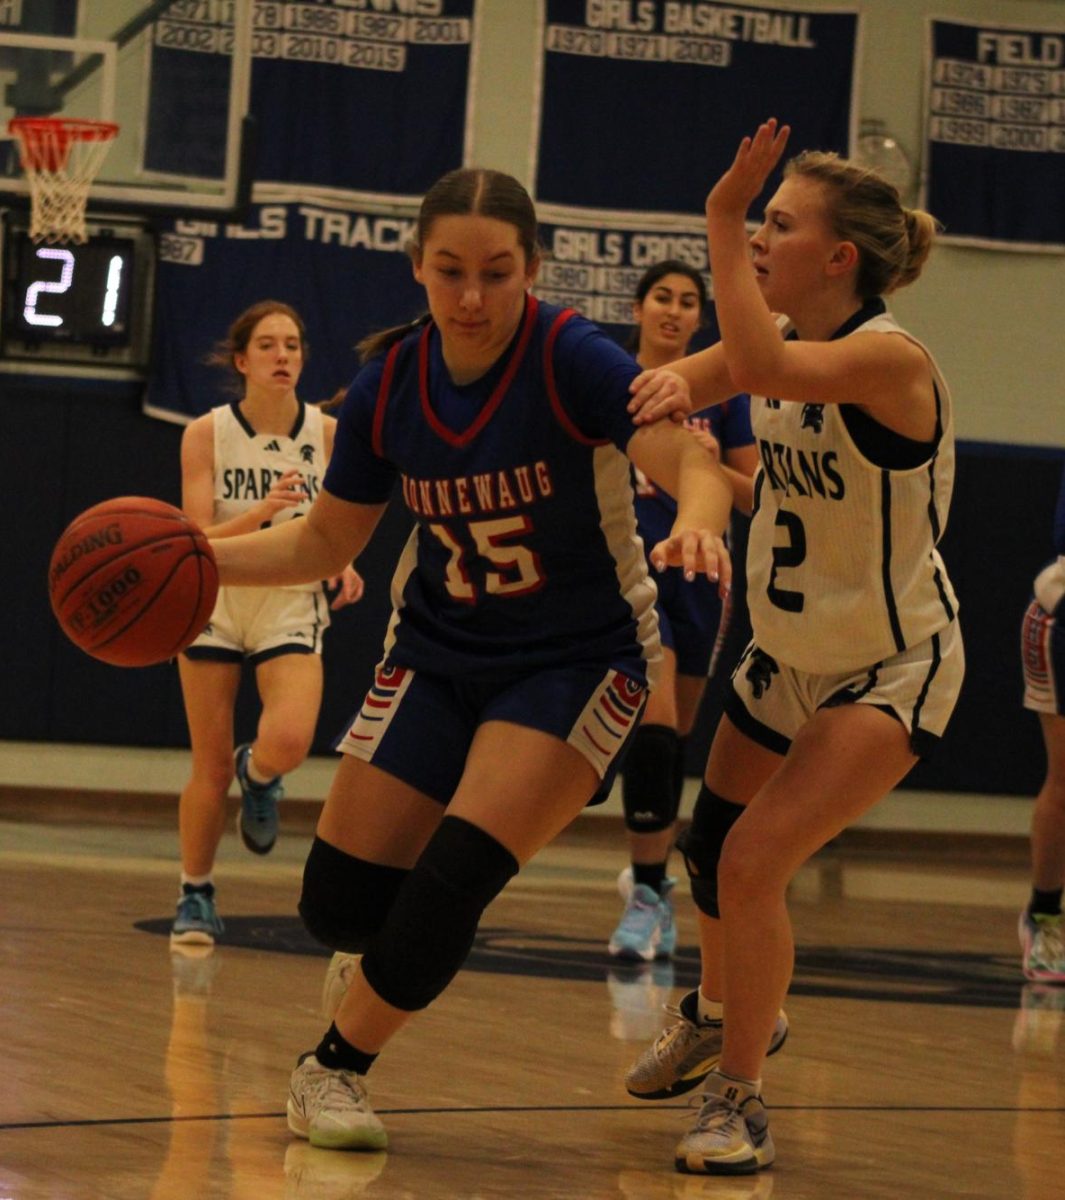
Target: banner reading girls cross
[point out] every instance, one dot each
(595, 270)
(368, 98)
(345, 271)
(995, 149)
(643, 103)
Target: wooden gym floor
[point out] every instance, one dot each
(919, 1065)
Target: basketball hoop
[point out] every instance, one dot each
(61, 156)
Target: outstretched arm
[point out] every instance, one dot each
(675, 460)
(318, 546)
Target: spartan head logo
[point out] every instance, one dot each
(760, 672)
(813, 417)
(307, 452)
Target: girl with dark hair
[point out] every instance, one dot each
(256, 461)
(523, 637)
(668, 311)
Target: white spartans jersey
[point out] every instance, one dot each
(842, 565)
(247, 464)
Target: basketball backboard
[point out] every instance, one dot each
(173, 74)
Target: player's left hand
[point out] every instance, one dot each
(659, 393)
(350, 587)
(742, 183)
(696, 551)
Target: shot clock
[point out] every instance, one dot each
(72, 302)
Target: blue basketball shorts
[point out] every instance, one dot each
(770, 701)
(689, 613)
(418, 726)
(1043, 661)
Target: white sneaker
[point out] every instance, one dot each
(731, 1133)
(331, 1109)
(338, 976)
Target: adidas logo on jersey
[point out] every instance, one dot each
(274, 445)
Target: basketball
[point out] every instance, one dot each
(132, 581)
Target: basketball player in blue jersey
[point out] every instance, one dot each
(668, 311)
(1041, 926)
(254, 462)
(523, 637)
(856, 660)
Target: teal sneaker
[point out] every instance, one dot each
(648, 928)
(257, 821)
(197, 922)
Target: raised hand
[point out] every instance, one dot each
(743, 182)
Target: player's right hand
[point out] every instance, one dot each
(286, 492)
(659, 393)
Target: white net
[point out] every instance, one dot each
(60, 158)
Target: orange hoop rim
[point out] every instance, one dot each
(75, 128)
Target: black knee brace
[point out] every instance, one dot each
(649, 780)
(345, 899)
(701, 844)
(431, 927)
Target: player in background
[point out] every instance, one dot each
(856, 660)
(254, 462)
(668, 310)
(523, 636)
(1041, 926)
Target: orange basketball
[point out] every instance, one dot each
(132, 581)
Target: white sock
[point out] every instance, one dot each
(754, 1084)
(196, 880)
(254, 775)
(710, 1010)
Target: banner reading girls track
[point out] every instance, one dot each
(995, 151)
(365, 97)
(346, 272)
(643, 103)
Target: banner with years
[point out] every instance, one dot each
(995, 134)
(643, 103)
(346, 272)
(370, 98)
(595, 268)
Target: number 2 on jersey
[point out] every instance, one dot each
(790, 555)
(516, 568)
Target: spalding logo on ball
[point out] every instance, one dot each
(132, 581)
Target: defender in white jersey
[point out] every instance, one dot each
(856, 661)
(255, 462)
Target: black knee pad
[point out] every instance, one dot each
(431, 927)
(701, 844)
(649, 779)
(345, 899)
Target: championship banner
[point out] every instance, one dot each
(995, 141)
(345, 272)
(595, 268)
(348, 94)
(643, 103)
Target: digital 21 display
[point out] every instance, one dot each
(71, 294)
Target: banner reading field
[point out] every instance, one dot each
(643, 103)
(995, 148)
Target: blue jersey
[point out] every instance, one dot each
(524, 553)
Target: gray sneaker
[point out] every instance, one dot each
(331, 1108)
(684, 1054)
(731, 1133)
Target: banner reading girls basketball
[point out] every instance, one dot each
(995, 149)
(643, 103)
(304, 254)
(366, 96)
